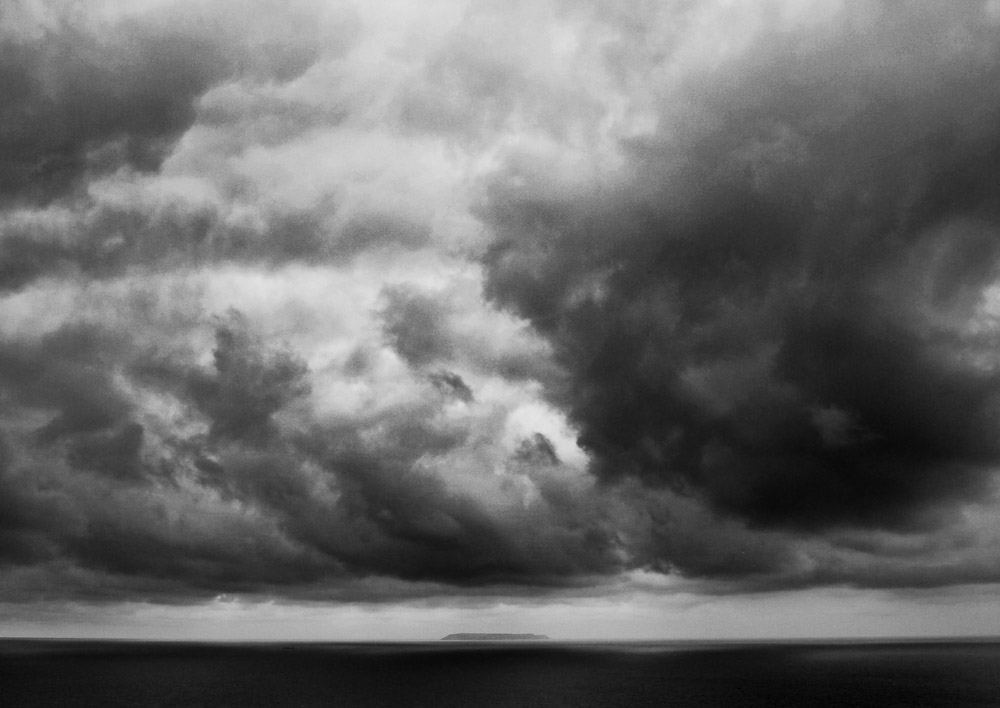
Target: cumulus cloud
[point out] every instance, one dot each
(774, 309)
(542, 298)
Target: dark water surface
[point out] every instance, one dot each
(445, 674)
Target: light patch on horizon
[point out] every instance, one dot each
(826, 614)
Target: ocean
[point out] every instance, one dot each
(491, 675)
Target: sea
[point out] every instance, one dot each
(490, 675)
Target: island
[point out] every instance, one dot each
(493, 637)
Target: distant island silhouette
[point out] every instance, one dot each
(492, 637)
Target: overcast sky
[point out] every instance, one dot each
(327, 319)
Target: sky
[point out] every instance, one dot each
(385, 320)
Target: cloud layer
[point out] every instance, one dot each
(320, 301)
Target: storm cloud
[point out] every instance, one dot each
(317, 302)
(782, 312)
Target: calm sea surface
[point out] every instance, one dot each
(444, 674)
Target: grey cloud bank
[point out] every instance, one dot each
(313, 302)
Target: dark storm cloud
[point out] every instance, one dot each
(116, 453)
(84, 100)
(76, 103)
(451, 384)
(415, 323)
(68, 376)
(538, 450)
(84, 485)
(251, 383)
(22, 515)
(255, 498)
(767, 325)
(773, 315)
(410, 525)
